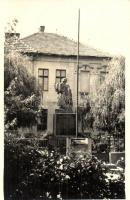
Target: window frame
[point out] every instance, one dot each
(43, 78)
(60, 77)
(80, 85)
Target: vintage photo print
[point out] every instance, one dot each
(64, 99)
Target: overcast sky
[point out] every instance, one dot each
(104, 23)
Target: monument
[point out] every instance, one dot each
(64, 118)
(65, 102)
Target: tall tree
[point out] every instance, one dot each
(109, 105)
(22, 97)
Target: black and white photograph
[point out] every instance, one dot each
(64, 99)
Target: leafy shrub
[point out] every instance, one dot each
(21, 94)
(32, 173)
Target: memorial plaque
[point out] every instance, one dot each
(65, 124)
(115, 156)
(80, 146)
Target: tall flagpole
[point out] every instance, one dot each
(77, 74)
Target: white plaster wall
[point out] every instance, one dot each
(70, 65)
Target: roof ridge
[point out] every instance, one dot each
(29, 36)
(66, 37)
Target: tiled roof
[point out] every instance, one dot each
(54, 44)
(23, 47)
(19, 46)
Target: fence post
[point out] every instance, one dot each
(68, 143)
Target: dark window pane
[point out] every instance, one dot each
(43, 78)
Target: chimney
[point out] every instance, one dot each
(42, 28)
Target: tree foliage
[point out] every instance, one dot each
(21, 95)
(109, 105)
(85, 115)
